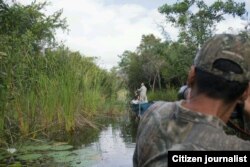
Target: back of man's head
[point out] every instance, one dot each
(223, 67)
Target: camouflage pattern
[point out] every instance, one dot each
(225, 46)
(231, 130)
(244, 125)
(169, 126)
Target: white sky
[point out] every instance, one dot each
(106, 28)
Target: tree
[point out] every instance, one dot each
(156, 63)
(178, 58)
(131, 69)
(29, 26)
(150, 51)
(198, 25)
(145, 64)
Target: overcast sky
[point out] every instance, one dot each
(106, 28)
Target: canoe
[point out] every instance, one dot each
(140, 108)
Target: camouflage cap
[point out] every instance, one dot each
(235, 48)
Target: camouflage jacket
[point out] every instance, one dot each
(239, 126)
(168, 124)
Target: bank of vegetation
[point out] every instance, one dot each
(45, 87)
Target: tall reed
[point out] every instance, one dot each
(49, 92)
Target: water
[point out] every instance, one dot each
(113, 150)
(115, 145)
(112, 146)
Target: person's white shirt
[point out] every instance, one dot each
(143, 93)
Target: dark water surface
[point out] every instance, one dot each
(113, 149)
(112, 146)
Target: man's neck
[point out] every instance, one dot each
(209, 106)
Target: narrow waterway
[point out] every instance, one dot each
(113, 146)
(112, 149)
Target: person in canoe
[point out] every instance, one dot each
(143, 93)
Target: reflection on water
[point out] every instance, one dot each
(114, 147)
(113, 150)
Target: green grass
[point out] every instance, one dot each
(49, 92)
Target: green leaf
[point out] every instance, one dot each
(29, 157)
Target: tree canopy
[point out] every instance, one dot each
(28, 25)
(165, 63)
(197, 20)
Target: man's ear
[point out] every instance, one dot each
(191, 77)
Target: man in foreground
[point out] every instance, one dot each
(218, 81)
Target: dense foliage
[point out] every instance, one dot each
(197, 20)
(156, 63)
